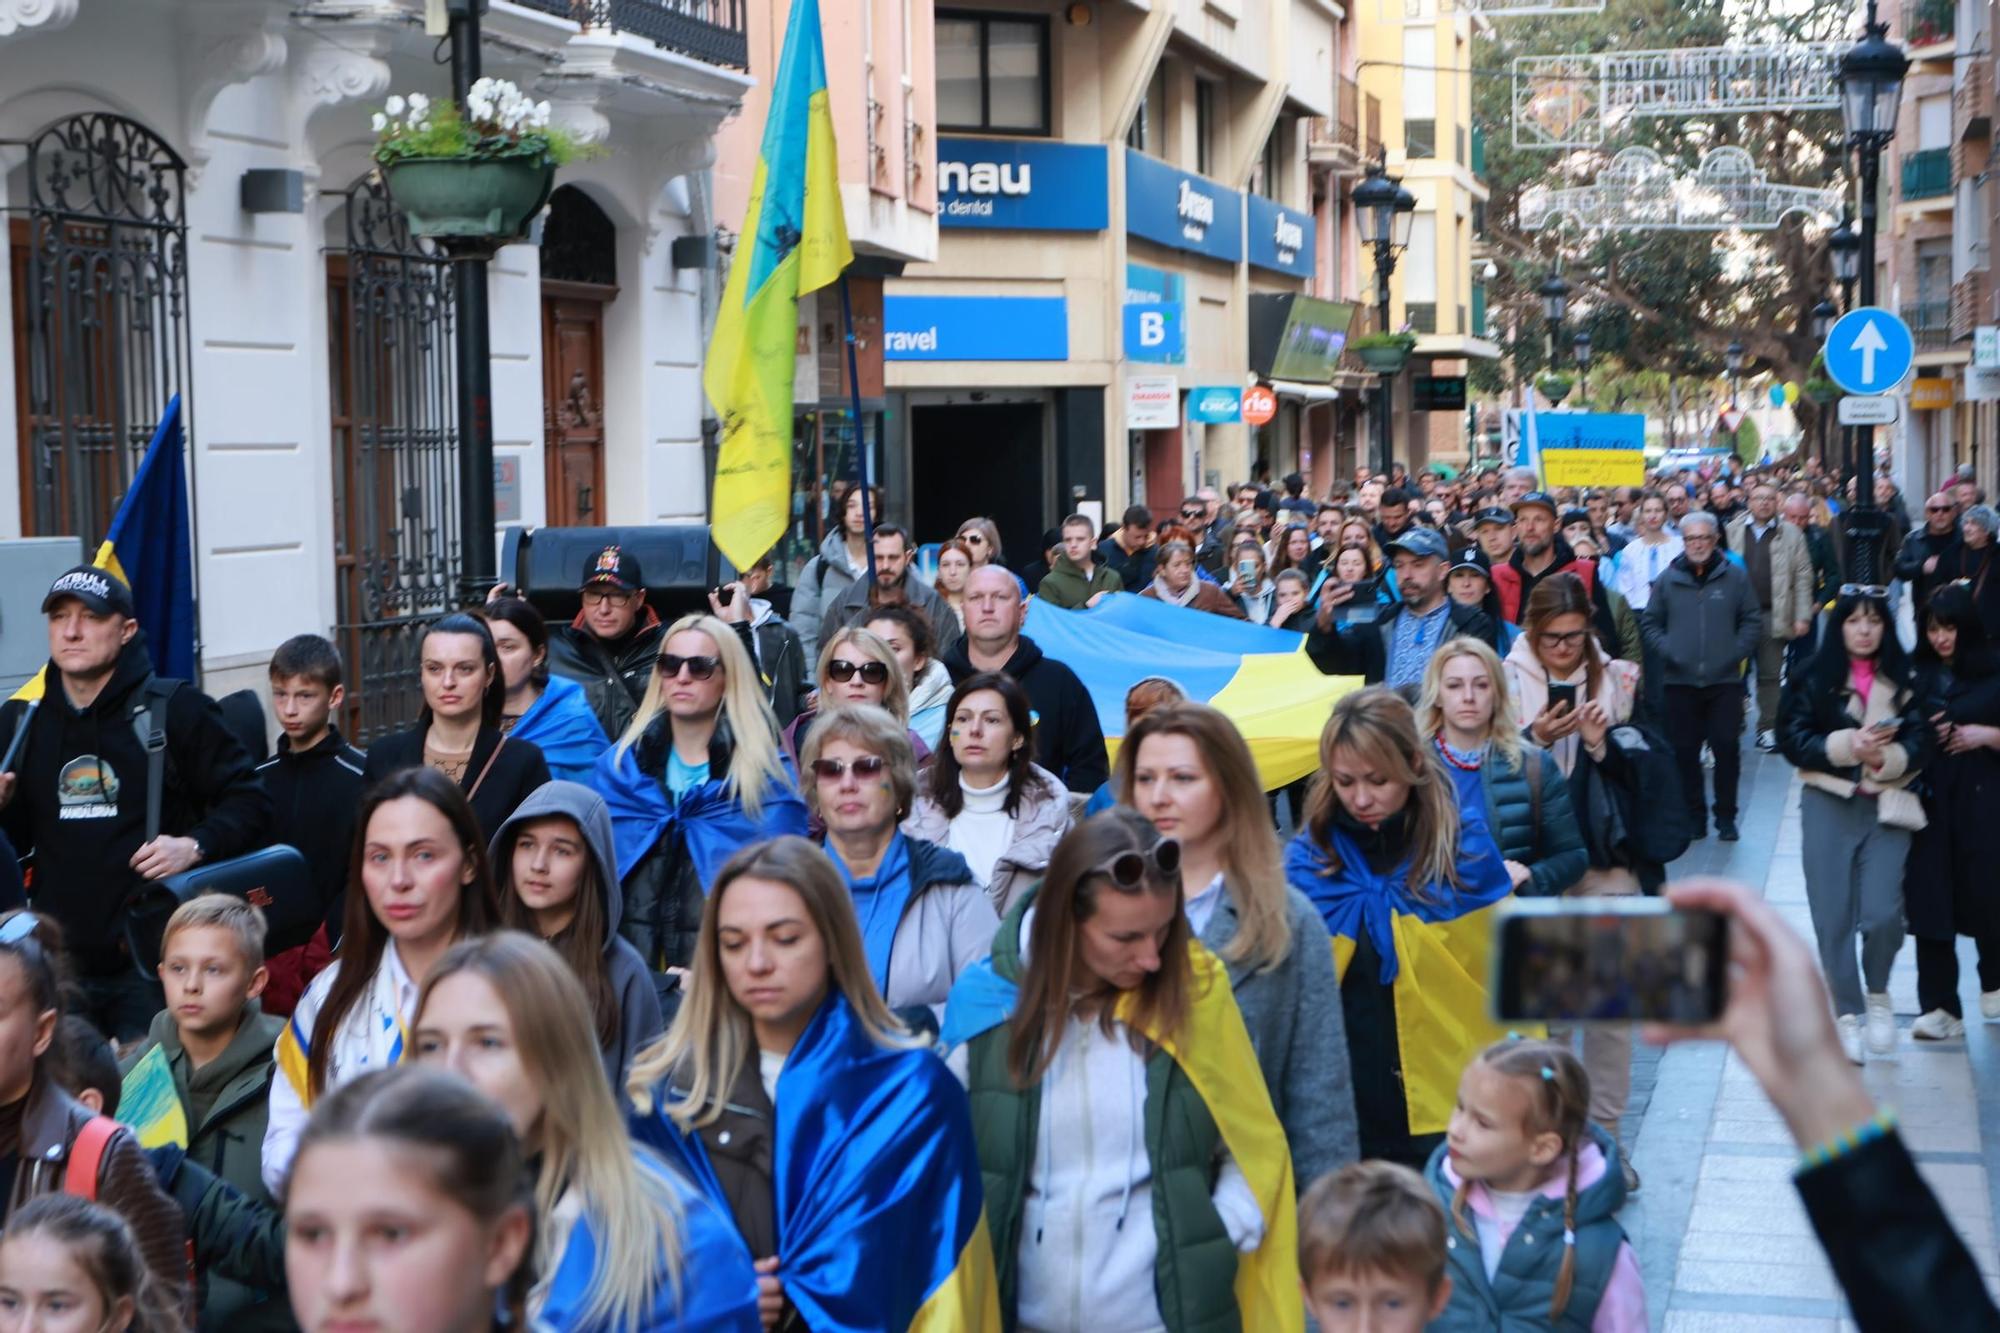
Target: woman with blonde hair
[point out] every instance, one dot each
(1394, 866)
(857, 666)
(1186, 768)
(789, 1090)
(1468, 714)
(698, 773)
(619, 1243)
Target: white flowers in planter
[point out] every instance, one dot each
(403, 115)
(498, 106)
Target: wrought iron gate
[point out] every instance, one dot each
(395, 456)
(106, 315)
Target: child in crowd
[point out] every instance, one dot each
(215, 1043)
(90, 1067)
(1533, 1188)
(1372, 1250)
(67, 1263)
(315, 786)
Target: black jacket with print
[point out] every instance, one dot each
(79, 803)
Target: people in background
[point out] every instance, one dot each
(551, 713)
(1175, 582)
(908, 635)
(1779, 564)
(1081, 577)
(842, 559)
(858, 666)
(608, 648)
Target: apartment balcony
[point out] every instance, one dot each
(1336, 140)
(712, 31)
(1972, 101)
(1930, 324)
(1930, 28)
(1968, 304)
(1371, 144)
(1926, 174)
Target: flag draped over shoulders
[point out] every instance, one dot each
(793, 240)
(1435, 951)
(561, 725)
(881, 1220)
(710, 818)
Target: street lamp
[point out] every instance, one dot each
(1845, 248)
(1555, 304)
(1871, 90)
(1384, 212)
(1581, 343)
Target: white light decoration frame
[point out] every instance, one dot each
(1575, 101)
(1638, 191)
(1430, 11)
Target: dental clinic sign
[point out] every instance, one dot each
(1281, 239)
(1181, 210)
(1023, 185)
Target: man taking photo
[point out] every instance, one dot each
(1395, 649)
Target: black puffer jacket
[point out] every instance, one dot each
(613, 675)
(663, 893)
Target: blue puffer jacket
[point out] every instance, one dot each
(1555, 851)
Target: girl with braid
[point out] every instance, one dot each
(1533, 1187)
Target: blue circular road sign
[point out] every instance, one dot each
(1869, 351)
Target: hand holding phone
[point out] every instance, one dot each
(1561, 696)
(1609, 961)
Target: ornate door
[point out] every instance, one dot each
(572, 394)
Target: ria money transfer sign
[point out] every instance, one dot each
(1592, 448)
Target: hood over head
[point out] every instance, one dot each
(587, 810)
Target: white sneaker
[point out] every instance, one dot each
(1989, 1005)
(1881, 1025)
(1937, 1025)
(1850, 1037)
(1767, 739)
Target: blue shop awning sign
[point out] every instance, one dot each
(1281, 239)
(1215, 404)
(975, 328)
(1182, 210)
(1023, 185)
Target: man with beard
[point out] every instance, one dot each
(1394, 649)
(1541, 552)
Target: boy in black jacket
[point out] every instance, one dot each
(315, 785)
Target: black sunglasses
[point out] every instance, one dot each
(1874, 590)
(973, 537)
(1128, 869)
(842, 670)
(864, 766)
(698, 668)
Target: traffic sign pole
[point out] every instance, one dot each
(1868, 352)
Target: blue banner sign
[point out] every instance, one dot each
(1023, 184)
(1182, 210)
(1590, 430)
(975, 328)
(1281, 239)
(1155, 315)
(1215, 404)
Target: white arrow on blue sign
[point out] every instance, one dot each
(1869, 351)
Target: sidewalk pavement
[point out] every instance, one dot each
(1722, 1238)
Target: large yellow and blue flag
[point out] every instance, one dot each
(150, 547)
(1258, 677)
(794, 240)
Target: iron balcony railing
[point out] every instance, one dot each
(714, 31)
(1928, 22)
(1927, 173)
(1930, 322)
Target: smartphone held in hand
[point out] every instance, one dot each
(1609, 961)
(1562, 696)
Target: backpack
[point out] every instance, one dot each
(1652, 812)
(84, 1171)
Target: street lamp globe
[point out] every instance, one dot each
(1555, 296)
(1871, 87)
(1845, 248)
(1823, 316)
(1582, 346)
(1375, 206)
(1733, 358)
(1406, 215)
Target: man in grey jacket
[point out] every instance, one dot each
(1779, 563)
(893, 554)
(1703, 623)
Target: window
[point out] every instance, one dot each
(1934, 272)
(1420, 138)
(1270, 180)
(1420, 261)
(1204, 125)
(1934, 122)
(992, 74)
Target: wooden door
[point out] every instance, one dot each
(573, 399)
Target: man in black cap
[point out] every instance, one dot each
(1541, 552)
(76, 792)
(1394, 649)
(609, 648)
(1493, 533)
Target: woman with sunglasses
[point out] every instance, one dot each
(857, 667)
(1136, 1176)
(985, 797)
(924, 916)
(459, 729)
(1853, 724)
(699, 773)
(1947, 886)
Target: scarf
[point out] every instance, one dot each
(879, 900)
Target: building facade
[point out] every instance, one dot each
(192, 209)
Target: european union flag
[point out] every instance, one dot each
(151, 547)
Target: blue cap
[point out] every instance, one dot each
(1537, 499)
(1420, 541)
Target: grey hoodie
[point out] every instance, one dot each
(639, 1021)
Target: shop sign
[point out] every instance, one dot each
(1023, 185)
(1215, 405)
(1928, 394)
(1259, 405)
(1181, 210)
(1155, 315)
(1986, 347)
(1281, 239)
(1152, 402)
(1437, 393)
(975, 328)
(1982, 386)
(506, 488)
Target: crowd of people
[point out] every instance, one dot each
(811, 962)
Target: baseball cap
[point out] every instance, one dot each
(1467, 562)
(1537, 499)
(616, 566)
(1420, 542)
(1493, 514)
(106, 594)
(1574, 515)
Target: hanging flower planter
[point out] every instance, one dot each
(1822, 391)
(471, 175)
(1384, 353)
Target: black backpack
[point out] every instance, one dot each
(1652, 811)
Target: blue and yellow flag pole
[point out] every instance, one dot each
(860, 433)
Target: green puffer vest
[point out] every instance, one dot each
(1195, 1273)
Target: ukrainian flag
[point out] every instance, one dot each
(150, 547)
(150, 1104)
(794, 240)
(1259, 678)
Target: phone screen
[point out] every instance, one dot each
(1560, 694)
(1610, 961)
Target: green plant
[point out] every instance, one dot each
(499, 123)
(1556, 387)
(1406, 341)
